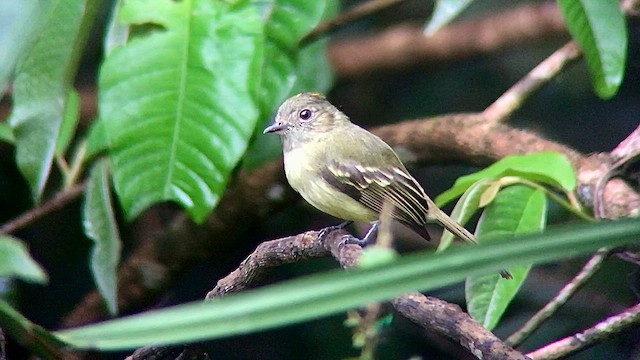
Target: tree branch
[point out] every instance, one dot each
(402, 46)
(587, 271)
(512, 99)
(356, 12)
(579, 341)
(59, 201)
(267, 255)
(430, 313)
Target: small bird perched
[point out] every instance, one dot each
(347, 172)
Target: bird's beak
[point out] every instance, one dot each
(275, 128)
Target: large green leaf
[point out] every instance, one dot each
(70, 119)
(283, 29)
(100, 226)
(445, 11)
(15, 261)
(18, 22)
(550, 168)
(181, 99)
(516, 210)
(43, 80)
(175, 102)
(335, 291)
(600, 29)
(294, 70)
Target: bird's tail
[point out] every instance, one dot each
(449, 224)
(457, 229)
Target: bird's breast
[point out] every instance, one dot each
(303, 174)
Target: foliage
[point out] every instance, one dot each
(16, 262)
(184, 90)
(599, 27)
(324, 294)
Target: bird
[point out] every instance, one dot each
(348, 172)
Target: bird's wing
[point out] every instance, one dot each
(373, 186)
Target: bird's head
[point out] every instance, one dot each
(306, 114)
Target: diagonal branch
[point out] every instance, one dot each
(431, 314)
(587, 271)
(59, 201)
(356, 12)
(267, 255)
(402, 46)
(515, 97)
(588, 337)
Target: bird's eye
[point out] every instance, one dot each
(304, 114)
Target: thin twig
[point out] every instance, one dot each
(57, 202)
(354, 13)
(512, 99)
(587, 271)
(581, 340)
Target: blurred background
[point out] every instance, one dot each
(566, 110)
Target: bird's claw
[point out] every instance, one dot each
(326, 231)
(350, 239)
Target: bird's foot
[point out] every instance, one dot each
(326, 231)
(368, 239)
(350, 239)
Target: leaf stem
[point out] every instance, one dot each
(576, 210)
(74, 171)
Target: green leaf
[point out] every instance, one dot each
(282, 32)
(19, 21)
(117, 32)
(336, 291)
(376, 255)
(468, 204)
(445, 11)
(28, 334)
(6, 134)
(550, 168)
(177, 122)
(100, 226)
(176, 104)
(43, 80)
(69, 122)
(516, 210)
(96, 139)
(15, 261)
(294, 70)
(600, 29)
(489, 194)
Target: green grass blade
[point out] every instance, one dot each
(324, 294)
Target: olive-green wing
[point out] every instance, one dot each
(373, 186)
